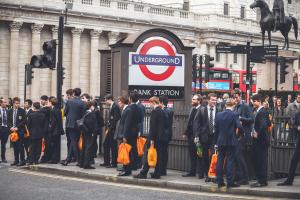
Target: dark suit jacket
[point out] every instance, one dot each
(55, 123)
(156, 128)
(261, 124)
(28, 112)
(74, 111)
(20, 120)
(169, 122)
(132, 119)
(90, 123)
(226, 123)
(37, 124)
(190, 129)
(143, 111)
(113, 118)
(201, 127)
(46, 111)
(246, 116)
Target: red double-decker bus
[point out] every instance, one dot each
(224, 80)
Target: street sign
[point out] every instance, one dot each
(239, 49)
(260, 53)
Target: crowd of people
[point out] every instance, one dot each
(227, 125)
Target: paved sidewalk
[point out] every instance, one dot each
(172, 181)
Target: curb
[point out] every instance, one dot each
(167, 184)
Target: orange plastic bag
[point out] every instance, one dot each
(80, 142)
(152, 156)
(140, 145)
(212, 172)
(14, 136)
(26, 135)
(123, 154)
(43, 145)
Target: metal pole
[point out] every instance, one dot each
(276, 74)
(200, 75)
(59, 68)
(248, 73)
(25, 82)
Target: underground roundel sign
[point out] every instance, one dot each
(156, 63)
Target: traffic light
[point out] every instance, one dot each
(208, 65)
(196, 62)
(283, 67)
(48, 59)
(29, 74)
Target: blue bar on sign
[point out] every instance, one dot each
(162, 60)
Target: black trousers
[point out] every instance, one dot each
(242, 173)
(4, 133)
(110, 145)
(87, 149)
(164, 157)
(260, 162)
(68, 142)
(35, 150)
(157, 169)
(132, 155)
(193, 155)
(19, 149)
(54, 148)
(229, 152)
(26, 146)
(294, 162)
(74, 134)
(204, 161)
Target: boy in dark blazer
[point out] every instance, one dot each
(16, 122)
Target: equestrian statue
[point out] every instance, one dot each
(276, 20)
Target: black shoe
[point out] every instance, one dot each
(163, 173)
(89, 167)
(140, 176)
(44, 161)
(155, 176)
(21, 164)
(4, 160)
(207, 180)
(104, 165)
(189, 175)
(285, 183)
(233, 185)
(64, 163)
(258, 185)
(73, 160)
(52, 162)
(221, 185)
(243, 182)
(14, 163)
(112, 166)
(124, 174)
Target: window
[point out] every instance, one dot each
(226, 9)
(243, 12)
(235, 77)
(289, 1)
(217, 57)
(235, 58)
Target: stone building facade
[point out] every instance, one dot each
(93, 25)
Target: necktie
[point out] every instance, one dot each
(14, 118)
(4, 118)
(211, 121)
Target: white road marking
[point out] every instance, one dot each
(66, 178)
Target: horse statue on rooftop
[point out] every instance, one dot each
(267, 23)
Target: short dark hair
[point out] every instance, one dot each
(133, 95)
(16, 99)
(89, 104)
(86, 95)
(29, 101)
(211, 95)
(237, 91)
(123, 99)
(44, 97)
(109, 97)
(70, 92)
(53, 101)
(164, 100)
(258, 97)
(77, 92)
(37, 105)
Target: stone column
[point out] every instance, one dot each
(36, 50)
(94, 65)
(113, 37)
(203, 48)
(75, 72)
(14, 58)
(54, 72)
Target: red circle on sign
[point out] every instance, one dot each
(144, 68)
